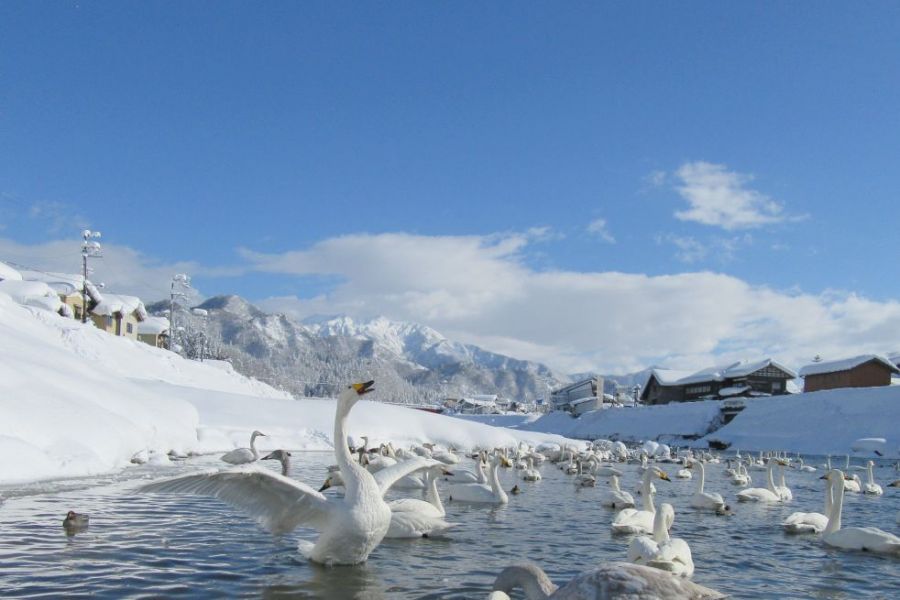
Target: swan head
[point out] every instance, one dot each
(282, 455)
(328, 483)
(257, 434)
(353, 392)
(661, 474)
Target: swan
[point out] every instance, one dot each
(707, 500)
(871, 487)
(782, 489)
(854, 538)
(630, 520)
(766, 494)
(685, 471)
(282, 456)
(466, 476)
(851, 484)
(604, 582)
(242, 456)
(661, 551)
(584, 479)
(413, 518)
(350, 527)
(445, 456)
(530, 473)
(615, 497)
(805, 468)
(801, 522)
(481, 492)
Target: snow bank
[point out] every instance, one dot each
(662, 422)
(77, 401)
(825, 422)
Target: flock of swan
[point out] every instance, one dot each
(351, 526)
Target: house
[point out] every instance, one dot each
(586, 394)
(747, 379)
(482, 404)
(68, 287)
(867, 370)
(32, 293)
(119, 315)
(154, 331)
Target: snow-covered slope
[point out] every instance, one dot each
(77, 401)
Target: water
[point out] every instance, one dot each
(144, 546)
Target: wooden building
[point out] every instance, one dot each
(119, 315)
(154, 331)
(867, 370)
(68, 287)
(740, 379)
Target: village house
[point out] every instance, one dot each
(119, 315)
(867, 370)
(740, 379)
(68, 288)
(154, 331)
(579, 397)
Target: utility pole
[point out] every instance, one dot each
(89, 248)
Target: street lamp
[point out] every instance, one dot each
(89, 248)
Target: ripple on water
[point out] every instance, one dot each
(151, 546)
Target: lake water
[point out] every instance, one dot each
(144, 546)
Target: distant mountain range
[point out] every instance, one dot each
(411, 363)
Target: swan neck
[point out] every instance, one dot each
(770, 480)
(349, 468)
(614, 482)
(837, 506)
(495, 480)
(660, 531)
(253, 447)
(647, 493)
(432, 496)
(871, 475)
(702, 480)
(534, 582)
(285, 466)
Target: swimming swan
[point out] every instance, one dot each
(801, 522)
(530, 473)
(481, 493)
(871, 487)
(661, 551)
(242, 456)
(707, 500)
(630, 520)
(604, 582)
(615, 497)
(413, 518)
(854, 538)
(350, 527)
(766, 494)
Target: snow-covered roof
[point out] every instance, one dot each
(582, 400)
(31, 293)
(485, 397)
(63, 283)
(8, 273)
(717, 373)
(846, 364)
(479, 401)
(733, 391)
(154, 326)
(120, 303)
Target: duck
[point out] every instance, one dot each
(870, 539)
(707, 500)
(413, 518)
(767, 494)
(350, 527)
(615, 497)
(801, 522)
(870, 486)
(630, 520)
(660, 551)
(606, 581)
(242, 456)
(75, 522)
(481, 493)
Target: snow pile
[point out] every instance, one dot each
(665, 421)
(76, 401)
(7, 272)
(31, 293)
(824, 422)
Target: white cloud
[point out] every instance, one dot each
(478, 290)
(689, 250)
(721, 198)
(599, 228)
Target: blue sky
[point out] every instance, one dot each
(474, 166)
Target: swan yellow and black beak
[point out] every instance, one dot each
(325, 485)
(663, 475)
(364, 388)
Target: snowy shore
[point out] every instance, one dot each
(76, 401)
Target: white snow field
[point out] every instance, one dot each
(77, 401)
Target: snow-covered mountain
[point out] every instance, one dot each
(411, 362)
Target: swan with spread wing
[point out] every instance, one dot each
(350, 527)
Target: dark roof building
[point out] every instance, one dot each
(761, 378)
(867, 370)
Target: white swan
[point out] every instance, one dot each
(530, 473)
(741, 476)
(854, 538)
(350, 527)
(615, 497)
(851, 482)
(467, 476)
(630, 520)
(871, 487)
(801, 522)
(685, 471)
(242, 456)
(413, 518)
(481, 492)
(782, 489)
(661, 551)
(604, 582)
(766, 494)
(707, 500)
(805, 468)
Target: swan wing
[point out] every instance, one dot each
(642, 549)
(278, 503)
(388, 476)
